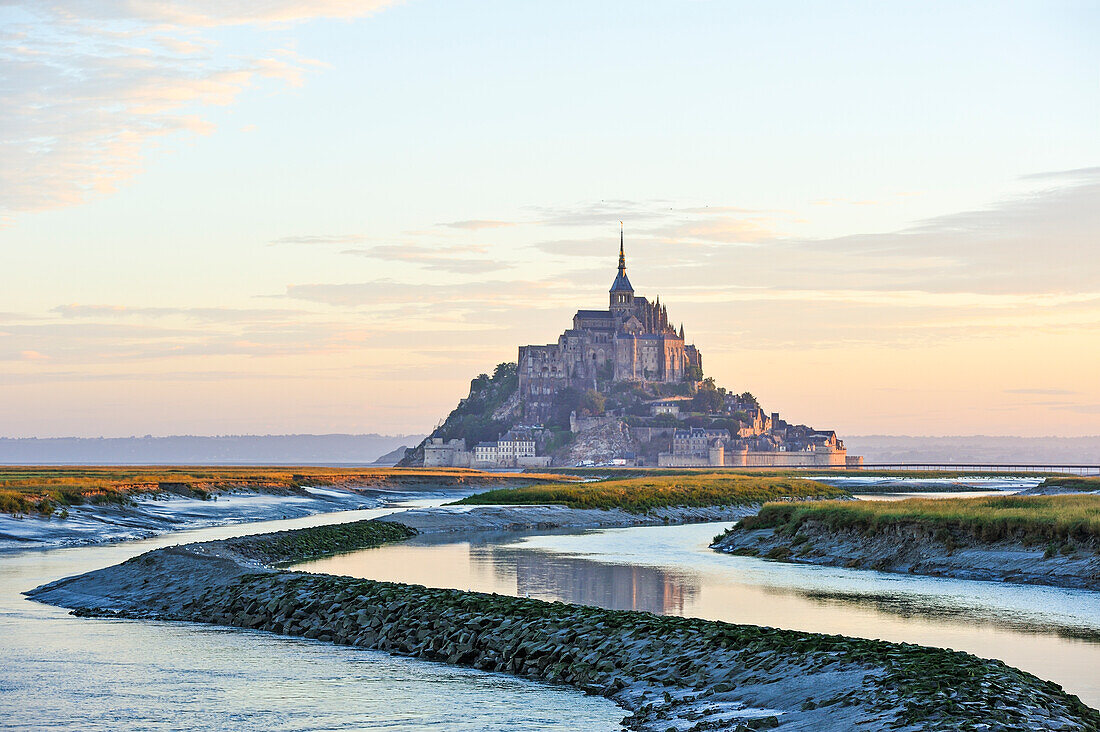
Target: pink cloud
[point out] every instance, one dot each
(94, 86)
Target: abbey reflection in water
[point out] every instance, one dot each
(614, 586)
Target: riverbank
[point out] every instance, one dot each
(1048, 540)
(45, 490)
(649, 501)
(50, 507)
(668, 672)
(642, 494)
(462, 518)
(153, 515)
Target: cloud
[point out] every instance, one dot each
(319, 239)
(892, 298)
(32, 356)
(208, 13)
(478, 224)
(1042, 392)
(1075, 174)
(1040, 244)
(843, 201)
(450, 259)
(600, 213)
(1081, 408)
(717, 230)
(91, 87)
(479, 296)
(91, 341)
(207, 315)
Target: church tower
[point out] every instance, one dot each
(622, 293)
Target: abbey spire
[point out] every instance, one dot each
(622, 254)
(622, 292)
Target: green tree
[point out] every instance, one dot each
(593, 402)
(710, 398)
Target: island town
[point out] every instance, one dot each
(621, 386)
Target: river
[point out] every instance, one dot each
(1051, 632)
(63, 673)
(59, 672)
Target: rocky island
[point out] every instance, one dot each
(620, 386)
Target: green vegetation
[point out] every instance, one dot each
(1073, 483)
(473, 419)
(44, 490)
(1029, 519)
(319, 541)
(639, 495)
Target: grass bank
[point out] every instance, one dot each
(1083, 484)
(1029, 519)
(298, 545)
(638, 495)
(46, 489)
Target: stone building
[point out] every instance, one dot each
(698, 447)
(449, 454)
(514, 449)
(632, 340)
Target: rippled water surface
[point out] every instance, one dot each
(58, 672)
(1051, 632)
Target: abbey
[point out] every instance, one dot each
(630, 341)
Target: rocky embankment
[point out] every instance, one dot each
(669, 672)
(910, 549)
(439, 519)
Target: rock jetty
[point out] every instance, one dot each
(670, 673)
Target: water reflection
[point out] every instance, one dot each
(909, 606)
(615, 586)
(1052, 632)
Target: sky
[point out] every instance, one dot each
(316, 216)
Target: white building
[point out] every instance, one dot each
(485, 452)
(515, 444)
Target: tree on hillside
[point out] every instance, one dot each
(710, 398)
(592, 403)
